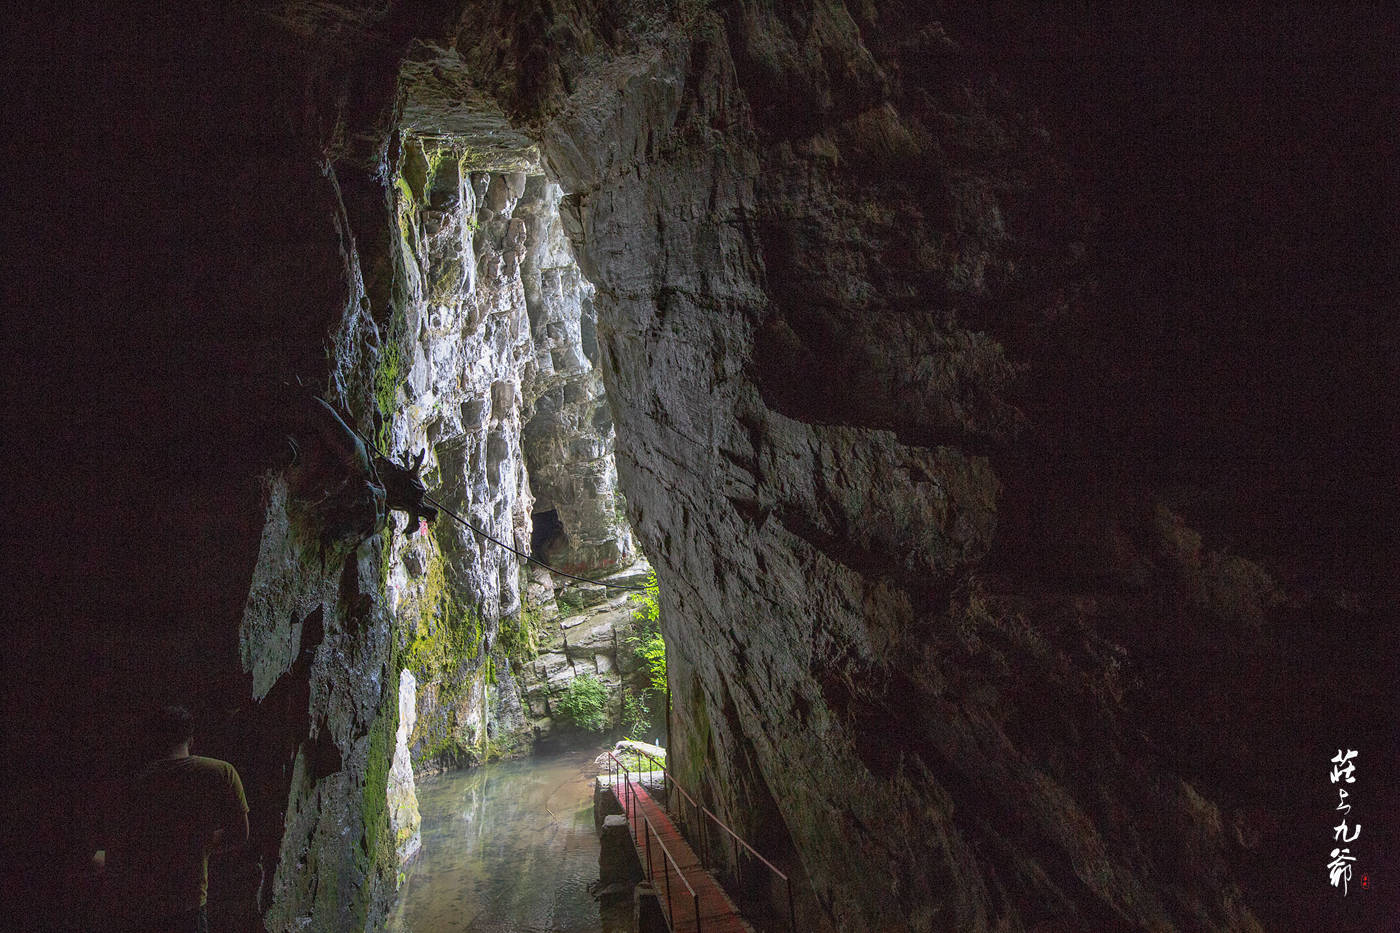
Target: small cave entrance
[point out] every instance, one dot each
(546, 532)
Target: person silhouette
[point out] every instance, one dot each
(177, 809)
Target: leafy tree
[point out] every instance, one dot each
(647, 642)
(651, 650)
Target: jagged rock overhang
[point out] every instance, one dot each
(442, 103)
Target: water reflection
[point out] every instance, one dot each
(508, 848)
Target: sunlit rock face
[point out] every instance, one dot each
(487, 373)
(568, 439)
(403, 802)
(462, 345)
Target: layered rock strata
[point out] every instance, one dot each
(807, 318)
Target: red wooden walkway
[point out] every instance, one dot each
(668, 860)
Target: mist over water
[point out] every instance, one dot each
(508, 847)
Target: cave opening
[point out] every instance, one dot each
(489, 372)
(545, 531)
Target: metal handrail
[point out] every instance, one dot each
(694, 898)
(738, 841)
(627, 798)
(649, 830)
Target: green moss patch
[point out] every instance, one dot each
(376, 853)
(389, 374)
(445, 633)
(518, 637)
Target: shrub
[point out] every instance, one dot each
(583, 704)
(647, 614)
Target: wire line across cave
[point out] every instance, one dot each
(425, 497)
(523, 556)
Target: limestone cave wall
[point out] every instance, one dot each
(483, 371)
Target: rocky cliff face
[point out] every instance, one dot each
(568, 440)
(487, 373)
(920, 635)
(484, 335)
(450, 384)
(1008, 537)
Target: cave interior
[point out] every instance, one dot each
(1007, 401)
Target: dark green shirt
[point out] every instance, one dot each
(158, 863)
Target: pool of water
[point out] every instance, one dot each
(508, 848)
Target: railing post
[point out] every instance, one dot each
(704, 831)
(670, 910)
(792, 915)
(695, 897)
(700, 825)
(646, 831)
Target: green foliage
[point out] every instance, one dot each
(647, 642)
(647, 614)
(636, 717)
(584, 704)
(651, 651)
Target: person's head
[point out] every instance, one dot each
(169, 727)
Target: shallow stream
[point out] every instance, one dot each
(508, 848)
